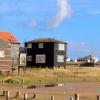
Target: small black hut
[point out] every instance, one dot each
(46, 52)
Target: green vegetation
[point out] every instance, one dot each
(57, 75)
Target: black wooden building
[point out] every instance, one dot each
(46, 52)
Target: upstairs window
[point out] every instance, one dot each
(61, 46)
(60, 58)
(2, 54)
(40, 45)
(29, 58)
(29, 45)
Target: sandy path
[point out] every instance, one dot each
(87, 91)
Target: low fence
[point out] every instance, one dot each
(6, 95)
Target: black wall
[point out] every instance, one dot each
(47, 50)
(50, 50)
(59, 52)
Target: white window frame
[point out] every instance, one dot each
(60, 58)
(29, 58)
(29, 45)
(22, 59)
(61, 46)
(2, 53)
(40, 58)
(40, 45)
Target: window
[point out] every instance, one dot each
(29, 45)
(61, 46)
(60, 58)
(40, 45)
(2, 54)
(29, 58)
(40, 58)
(22, 59)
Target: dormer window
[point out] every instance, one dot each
(40, 45)
(29, 45)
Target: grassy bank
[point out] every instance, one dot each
(58, 75)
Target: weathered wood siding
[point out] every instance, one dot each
(15, 54)
(5, 62)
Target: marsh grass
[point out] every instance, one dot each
(57, 75)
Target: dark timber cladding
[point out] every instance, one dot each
(46, 52)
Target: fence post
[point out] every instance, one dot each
(77, 97)
(98, 97)
(25, 96)
(7, 95)
(17, 94)
(3, 82)
(35, 96)
(52, 98)
(23, 80)
(57, 80)
(71, 98)
(4, 93)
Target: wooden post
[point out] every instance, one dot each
(23, 80)
(71, 98)
(4, 93)
(57, 80)
(35, 96)
(17, 94)
(7, 95)
(52, 98)
(3, 82)
(18, 70)
(98, 97)
(25, 96)
(77, 97)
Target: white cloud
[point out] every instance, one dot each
(63, 11)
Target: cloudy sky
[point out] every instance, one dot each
(74, 21)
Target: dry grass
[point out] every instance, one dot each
(57, 75)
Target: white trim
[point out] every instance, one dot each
(40, 45)
(60, 58)
(29, 45)
(40, 58)
(2, 54)
(29, 58)
(61, 46)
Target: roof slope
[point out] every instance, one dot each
(8, 37)
(45, 40)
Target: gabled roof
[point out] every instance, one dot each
(3, 44)
(8, 37)
(45, 40)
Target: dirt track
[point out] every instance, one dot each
(87, 91)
